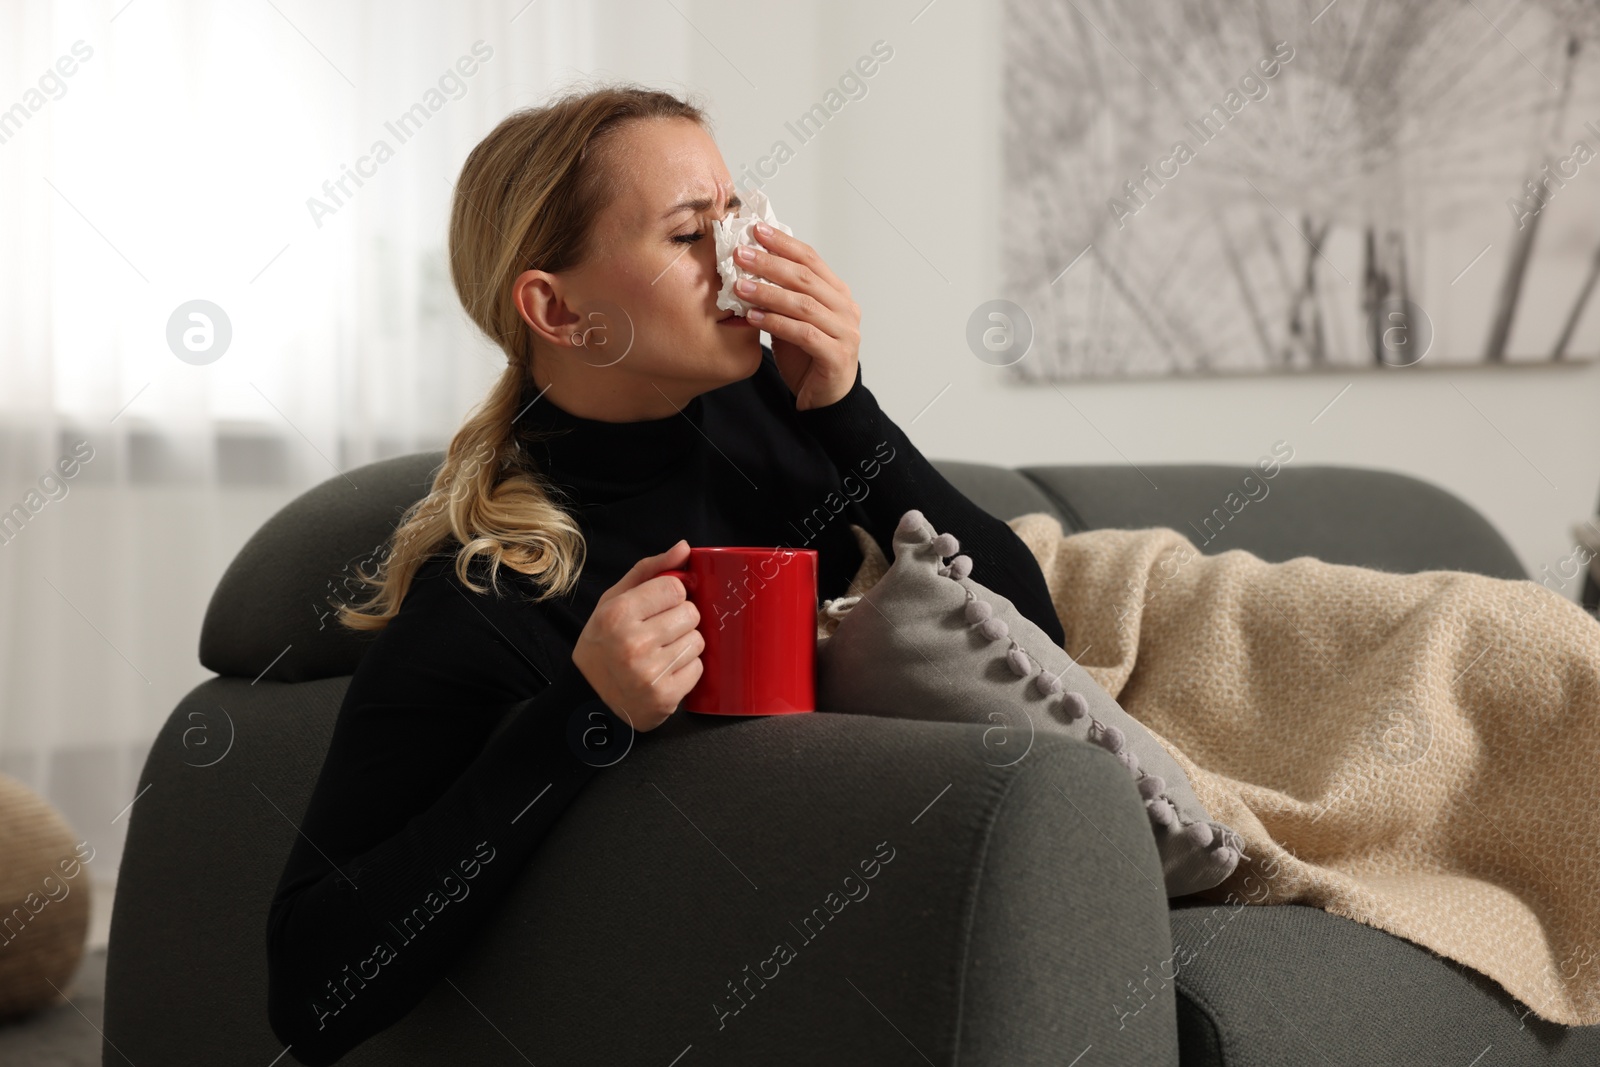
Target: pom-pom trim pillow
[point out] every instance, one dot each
(928, 642)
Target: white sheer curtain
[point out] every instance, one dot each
(174, 163)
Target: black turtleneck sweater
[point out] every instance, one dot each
(455, 747)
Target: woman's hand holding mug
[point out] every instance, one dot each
(640, 649)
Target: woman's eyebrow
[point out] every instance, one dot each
(701, 204)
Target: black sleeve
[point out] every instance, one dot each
(861, 439)
(423, 814)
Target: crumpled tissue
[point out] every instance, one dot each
(739, 229)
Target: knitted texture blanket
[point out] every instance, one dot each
(1417, 752)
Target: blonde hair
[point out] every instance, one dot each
(527, 198)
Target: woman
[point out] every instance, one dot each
(524, 591)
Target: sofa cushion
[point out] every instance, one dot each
(270, 614)
(1269, 985)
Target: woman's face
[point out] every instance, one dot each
(651, 273)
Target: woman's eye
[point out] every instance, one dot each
(688, 238)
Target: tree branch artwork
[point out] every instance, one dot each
(1272, 185)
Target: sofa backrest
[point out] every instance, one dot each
(1351, 515)
(269, 616)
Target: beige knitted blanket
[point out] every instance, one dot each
(1415, 752)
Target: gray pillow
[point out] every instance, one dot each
(928, 642)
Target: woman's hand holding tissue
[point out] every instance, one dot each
(814, 322)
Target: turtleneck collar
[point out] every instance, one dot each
(603, 461)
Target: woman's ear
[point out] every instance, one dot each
(541, 301)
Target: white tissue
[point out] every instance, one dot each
(739, 229)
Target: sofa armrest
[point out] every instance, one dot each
(1007, 911)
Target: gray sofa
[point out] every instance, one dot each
(1007, 926)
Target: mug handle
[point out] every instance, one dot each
(683, 576)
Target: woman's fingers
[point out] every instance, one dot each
(792, 248)
(667, 626)
(679, 654)
(801, 308)
(795, 265)
(809, 339)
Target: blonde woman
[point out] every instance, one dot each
(524, 592)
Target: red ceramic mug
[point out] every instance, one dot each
(758, 615)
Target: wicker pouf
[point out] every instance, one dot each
(44, 900)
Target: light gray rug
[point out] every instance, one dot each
(66, 1035)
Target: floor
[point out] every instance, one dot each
(68, 1034)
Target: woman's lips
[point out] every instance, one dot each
(735, 320)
